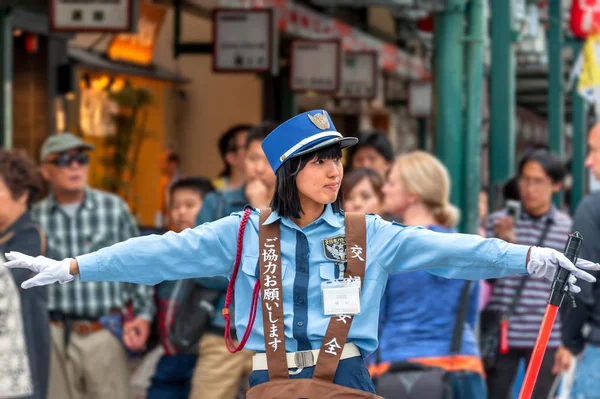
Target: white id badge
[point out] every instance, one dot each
(341, 297)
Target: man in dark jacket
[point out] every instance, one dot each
(587, 312)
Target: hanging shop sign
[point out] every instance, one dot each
(242, 40)
(585, 17)
(91, 15)
(359, 75)
(303, 22)
(315, 65)
(394, 89)
(419, 98)
(139, 47)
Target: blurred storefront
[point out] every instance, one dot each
(129, 108)
(30, 57)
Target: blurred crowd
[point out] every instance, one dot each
(117, 340)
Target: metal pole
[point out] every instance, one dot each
(502, 98)
(6, 64)
(472, 154)
(579, 142)
(555, 82)
(448, 67)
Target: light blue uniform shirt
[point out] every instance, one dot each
(209, 250)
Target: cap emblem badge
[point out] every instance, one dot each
(320, 120)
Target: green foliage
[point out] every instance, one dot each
(124, 146)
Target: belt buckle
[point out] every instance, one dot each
(304, 359)
(84, 327)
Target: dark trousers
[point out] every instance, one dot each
(467, 385)
(501, 378)
(172, 378)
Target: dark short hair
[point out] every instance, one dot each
(356, 176)
(260, 131)
(227, 143)
(286, 200)
(374, 139)
(550, 162)
(200, 184)
(20, 175)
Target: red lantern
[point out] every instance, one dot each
(585, 17)
(425, 24)
(31, 43)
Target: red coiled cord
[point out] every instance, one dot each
(229, 343)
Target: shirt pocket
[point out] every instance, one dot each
(328, 271)
(251, 269)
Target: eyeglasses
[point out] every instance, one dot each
(534, 182)
(65, 159)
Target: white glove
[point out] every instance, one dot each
(543, 262)
(48, 270)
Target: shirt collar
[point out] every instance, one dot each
(328, 216)
(89, 200)
(550, 215)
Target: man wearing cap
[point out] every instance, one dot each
(315, 330)
(87, 360)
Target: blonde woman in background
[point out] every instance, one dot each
(419, 310)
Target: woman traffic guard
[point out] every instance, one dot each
(320, 273)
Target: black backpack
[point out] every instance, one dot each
(192, 316)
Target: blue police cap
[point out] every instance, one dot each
(301, 134)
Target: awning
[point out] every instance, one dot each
(94, 60)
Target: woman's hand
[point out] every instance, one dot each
(562, 360)
(48, 270)
(543, 262)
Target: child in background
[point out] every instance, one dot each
(174, 371)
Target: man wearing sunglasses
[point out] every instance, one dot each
(87, 360)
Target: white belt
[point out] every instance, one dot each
(302, 359)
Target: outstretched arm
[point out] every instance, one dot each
(399, 248)
(205, 251)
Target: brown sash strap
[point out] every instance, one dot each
(271, 297)
(339, 326)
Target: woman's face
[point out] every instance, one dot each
(10, 209)
(320, 181)
(396, 198)
(362, 198)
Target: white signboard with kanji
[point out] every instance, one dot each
(315, 65)
(90, 15)
(359, 75)
(242, 40)
(420, 97)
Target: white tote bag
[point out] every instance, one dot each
(15, 374)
